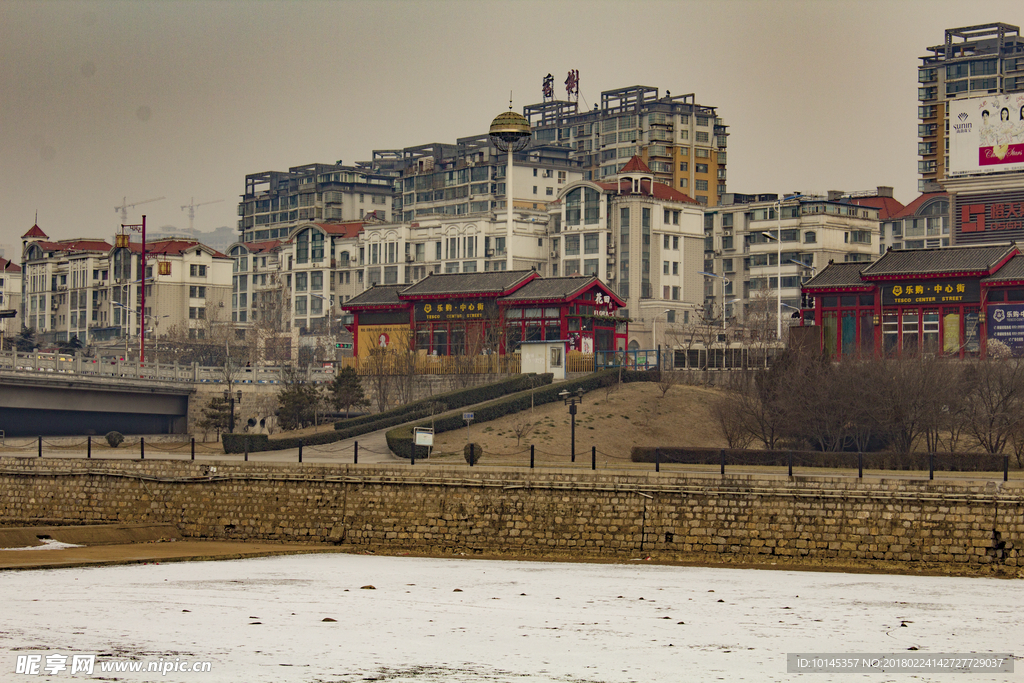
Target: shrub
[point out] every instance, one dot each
(236, 443)
(400, 438)
(115, 439)
(473, 451)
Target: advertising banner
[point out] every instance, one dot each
(1005, 322)
(382, 337)
(987, 217)
(986, 134)
(930, 292)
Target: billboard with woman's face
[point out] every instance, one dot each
(986, 134)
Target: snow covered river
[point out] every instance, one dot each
(316, 618)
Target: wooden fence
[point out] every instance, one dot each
(419, 364)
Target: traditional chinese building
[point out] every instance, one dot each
(469, 314)
(946, 301)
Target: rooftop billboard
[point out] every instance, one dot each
(986, 134)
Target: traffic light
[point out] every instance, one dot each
(343, 345)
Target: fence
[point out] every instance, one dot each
(77, 364)
(776, 463)
(424, 364)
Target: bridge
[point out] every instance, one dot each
(54, 394)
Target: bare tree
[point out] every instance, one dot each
(996, 401)
(730, 420)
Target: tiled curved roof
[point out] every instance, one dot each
(490, 282)
(978, 260)
(839, 275)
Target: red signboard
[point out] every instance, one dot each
(989, 218)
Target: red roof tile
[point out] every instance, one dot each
(635, 165)
(913, 207)
(661, 191)
(75, 245)
(887, 206)
(34, 231)
(351, 229)
(260, 247)
(9, 266)
(172, 247)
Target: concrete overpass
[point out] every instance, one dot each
(50, 404)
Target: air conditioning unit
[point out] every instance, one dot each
(611, 248)
(554, 254)
(408, 258)
(611, 261)
(718, 252)
(611, 275)
(489, 253)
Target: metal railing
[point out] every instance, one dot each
(77, 364)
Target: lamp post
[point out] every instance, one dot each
(510, 132)
(778, 262)
(725, 284)
(654, 334)
(571, 401)
(229, 396)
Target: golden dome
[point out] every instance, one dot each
(510, 123)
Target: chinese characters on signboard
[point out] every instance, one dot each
(931, 292)
(983, 215)
(454, 310)
(1005, 322)
(549, 87)
(986, 134)
(572, 84)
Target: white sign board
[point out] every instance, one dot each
(423, 436)
(986, 134)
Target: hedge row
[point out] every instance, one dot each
(452, 399)
(347, 429)
(941, 462)
(400, 439)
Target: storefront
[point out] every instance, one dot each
(918, 301)
(471, 314)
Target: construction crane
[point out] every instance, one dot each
(123, 209)
(192, 206)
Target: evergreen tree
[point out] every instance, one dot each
(297, 404)
(26, 341)
(216, 416)
(346, 391)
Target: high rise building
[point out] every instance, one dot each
(972, 61)
(682, 142)
(276, 201)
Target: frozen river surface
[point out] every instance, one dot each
(463, 621)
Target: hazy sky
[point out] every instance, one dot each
(143, 99)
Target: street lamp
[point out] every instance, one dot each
(229, 396)
(778, 262)
(725, 284)
(510, 132)
(571, 401)
(654, 327)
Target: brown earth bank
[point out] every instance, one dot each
(613, 420)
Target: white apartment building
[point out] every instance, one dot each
(10, 297)
(641, 237)
(88, 289)
(744, 237)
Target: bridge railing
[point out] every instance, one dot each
(77, 364)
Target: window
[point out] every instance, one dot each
(675, 267)
(684, 166)
(591, 243)
(196, 292)
(572, 245)
(316, 281)
(702, 186)
(727, 242)
(675, 239)
(301, 281)
(810, 237)
(664, 268)
(197, 271)
(590, 266)
(683, 182)
(701, 168)
(550, 191)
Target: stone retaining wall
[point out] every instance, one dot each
(805, 521)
